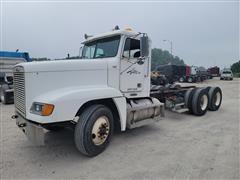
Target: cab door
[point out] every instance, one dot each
(131, 71)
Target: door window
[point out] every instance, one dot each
(131, 48)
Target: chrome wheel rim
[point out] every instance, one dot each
(217, 98)
(100, 130)
(204, 102)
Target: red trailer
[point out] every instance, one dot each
(214, 71)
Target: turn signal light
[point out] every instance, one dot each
(47, 109)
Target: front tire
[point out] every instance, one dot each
(94, 130)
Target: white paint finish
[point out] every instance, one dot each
(68, 100)
(66, 65)
(122, 109)
(131, 74)
(109, 34)
(68, 84)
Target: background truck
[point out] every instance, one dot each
(226, 74)
(172, 72)
(183, 73)
(108, 89)
(214, 71)
(7, 61)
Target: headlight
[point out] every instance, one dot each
(42, 109)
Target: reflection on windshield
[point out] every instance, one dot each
(102, 48)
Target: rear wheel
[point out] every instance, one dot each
(200, 102)
(215, 98)
(94, 130)
(188, 98)
(181, 79)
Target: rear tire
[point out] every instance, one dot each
(215, 98)
(200, 102)
(94, 130)
(181, 79)
(190, 79)
(188, 99)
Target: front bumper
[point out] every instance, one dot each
(227, 78)
(34, 132)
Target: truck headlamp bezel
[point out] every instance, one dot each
(42, 109)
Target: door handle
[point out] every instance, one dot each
(114, 66)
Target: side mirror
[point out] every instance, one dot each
(144, 46)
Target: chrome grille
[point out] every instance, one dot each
(19, 89)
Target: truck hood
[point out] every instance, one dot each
(64, 65)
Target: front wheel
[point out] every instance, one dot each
(94, 130)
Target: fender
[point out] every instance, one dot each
(67, 102)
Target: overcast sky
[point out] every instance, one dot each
(203, 33)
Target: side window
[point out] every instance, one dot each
(131, 48)
(88, 52)
(99, 53)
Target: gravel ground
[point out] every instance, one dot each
(181, 146)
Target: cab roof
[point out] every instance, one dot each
(109, 34)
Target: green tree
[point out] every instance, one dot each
(160, 57)
(236, 67)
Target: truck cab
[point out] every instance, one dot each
(107, 88)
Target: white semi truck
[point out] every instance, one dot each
(107, 89)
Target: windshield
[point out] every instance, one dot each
(102, 48)
(227, 72)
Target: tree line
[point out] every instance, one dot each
(163, 57)
(235, 67)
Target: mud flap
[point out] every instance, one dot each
(33, 132)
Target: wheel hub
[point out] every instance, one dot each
(217, 99)
(203, 102)
(100, 130)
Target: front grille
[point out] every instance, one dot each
(19, 89)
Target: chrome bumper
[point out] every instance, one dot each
(34, 133)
